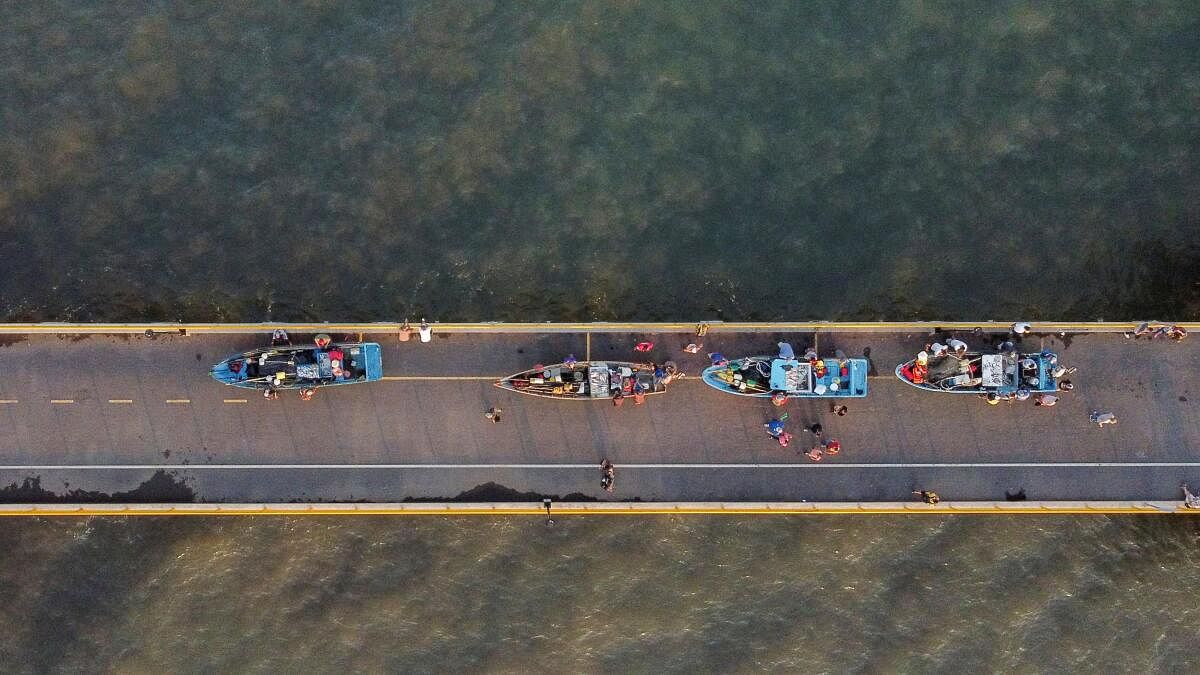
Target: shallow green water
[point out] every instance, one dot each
(578, 160)
(685, 595)
(599, 160)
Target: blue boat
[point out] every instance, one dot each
(763, 376)
(976, 373)
(302, 367)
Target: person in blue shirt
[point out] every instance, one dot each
(774, 428)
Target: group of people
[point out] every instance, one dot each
(821, 446)
(1153, 330)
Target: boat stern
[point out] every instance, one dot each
(372, 355)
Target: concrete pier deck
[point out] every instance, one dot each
(91, 415)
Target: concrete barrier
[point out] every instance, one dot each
(598, 509)
(550, 327)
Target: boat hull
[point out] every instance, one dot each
(579, 381)
(757, 378)
(250, 370)
(1010, 378)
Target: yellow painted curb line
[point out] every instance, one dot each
(549, 327)
(599, 508)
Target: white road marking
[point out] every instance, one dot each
(120, 400)
(592, 465)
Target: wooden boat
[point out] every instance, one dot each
(977, 373)
(762, 376)
(302, 367)
(585, 380)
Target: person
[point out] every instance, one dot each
(1142, 328)
(833, 447)
(815, 454)
(718, 359)
(786, 352)
(493, 414)
(785, 439)
(639, 393)
(1190, 501)
(672, 371)
(570, 361)
(992, 398)
(918, 370)
(322, 340)
(928, 496)
(693, 348)
(306, 393)
(1022, 327)
(608, 475)
(701, 329)
(1045, 400)
(958, 347)
(426, 331)
(839, 410)
(937, 349)
(1177, 333)
(1066, 385)
(1101, 418)
(1023, 394)
(279, 338)
(618, 399)
(271, 394)
(660, 375)
(778, 399)
(774, 428)
(405, 332)
(643, 347)
(816, 429)
(810, 355)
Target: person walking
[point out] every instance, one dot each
(1100, 418)
(608, 475)
(774, 428)
(839, 410)
(928, 496)
(493, 415)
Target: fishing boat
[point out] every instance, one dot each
(976, 373)
(585, 380)
(764, 376)
(302, 367)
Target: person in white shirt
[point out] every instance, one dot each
(959, 347)
(937, 349)
(1021, 327)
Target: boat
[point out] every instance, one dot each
(977, 373)
(306, 367)
(765, 376)
(585, 380)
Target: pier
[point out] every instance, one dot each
(115, 415)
